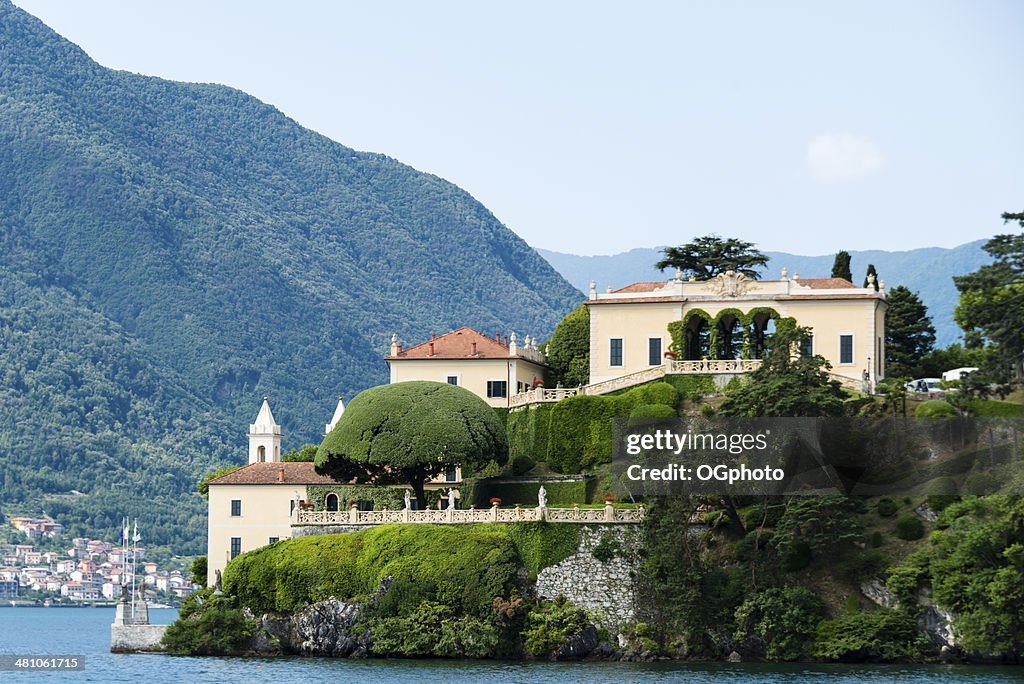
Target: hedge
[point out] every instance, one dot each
(560, 494)
(580, 428)
(464, 566)
(991, 408)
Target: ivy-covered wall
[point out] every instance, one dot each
(382, 497)
(682, 332)
(528, 436)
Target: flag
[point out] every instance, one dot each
(124, 529)
(136, 536)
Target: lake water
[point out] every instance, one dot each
(86, 631)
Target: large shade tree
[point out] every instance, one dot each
(707, 256)
(568, 350)
(909, 334)
(411, 432)
(992, 299)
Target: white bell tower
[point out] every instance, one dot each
(338, 412)
(264, 437)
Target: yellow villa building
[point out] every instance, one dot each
(493, 368)
(727, 318)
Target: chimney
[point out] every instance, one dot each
(497, 336)
(280, 474)
(433, 336)
(431, 348)
(473, 347)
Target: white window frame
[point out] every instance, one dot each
(622, 349)
(853, 349)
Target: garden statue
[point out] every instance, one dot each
(408, 500)
(451, 497)
(542, 497)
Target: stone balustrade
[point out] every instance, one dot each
(669, 367)
(713, 366)
(353, 516)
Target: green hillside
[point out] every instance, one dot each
(175, 251)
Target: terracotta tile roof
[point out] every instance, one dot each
(270, 473)
(634, 300)
(649, 286)
(464, 343)
(826, 283)
(828, 298)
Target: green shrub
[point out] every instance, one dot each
(909, 527)
(432, 629)
(942, 491)
(935, 408)
(550, 624)
(906, 579)
(876, 539)
(797, 556)
(785, 618)
(199, 571)
(606, 548)
(769, 515)
(859, 566)
(884, 634)
(522, 464)
(747, 549)
(886, 507)
(707, 410)
(979, 484)
(207, 625)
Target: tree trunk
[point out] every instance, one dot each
(421, 495)
(734, 515)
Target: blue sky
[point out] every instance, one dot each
(594, 128)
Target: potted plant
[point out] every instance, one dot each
(609, 499)
(495, 501)
(306, 505)
(670, 354)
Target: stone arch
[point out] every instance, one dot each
(261, 453)
(331, 502)
(729, 332)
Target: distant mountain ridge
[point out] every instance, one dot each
(216, 251)
(928, 271)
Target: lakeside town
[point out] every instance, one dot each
(49, 568)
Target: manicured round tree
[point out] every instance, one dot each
(410, 432)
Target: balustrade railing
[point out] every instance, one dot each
(353, 516)
(669, 367)
(714, 366)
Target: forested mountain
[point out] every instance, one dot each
(928, 271)
(171, 252)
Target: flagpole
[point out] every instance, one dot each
(124, 553)
(135, 537)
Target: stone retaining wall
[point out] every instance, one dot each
(605, 588)
(136, 638)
